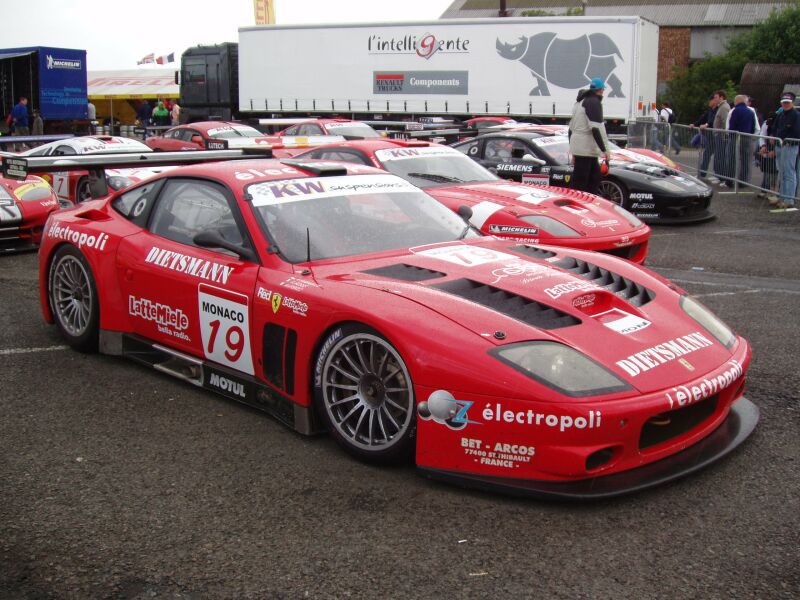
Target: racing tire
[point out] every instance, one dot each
(364, 394)
(82, 190)
(614, 191)
(73, 298)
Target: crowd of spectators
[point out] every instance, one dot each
(732, 139)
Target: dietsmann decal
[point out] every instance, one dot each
(657, 355)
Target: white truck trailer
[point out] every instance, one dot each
(523, 67)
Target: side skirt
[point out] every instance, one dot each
(211, 376)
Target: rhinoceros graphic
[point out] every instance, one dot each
(569, 64)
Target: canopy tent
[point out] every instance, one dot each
(119, 93)
(141, 84)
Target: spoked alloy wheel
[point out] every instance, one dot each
(365, 394)
(73, 298)
(613, 191)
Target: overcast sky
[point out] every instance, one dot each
(116, 34)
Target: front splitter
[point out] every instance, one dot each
(736, 428)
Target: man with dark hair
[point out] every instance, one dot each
(19, 117)
(587, 137)
(705, 121)
(722, 166)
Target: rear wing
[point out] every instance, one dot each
(18, 167)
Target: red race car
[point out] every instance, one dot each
(223, 135)
(203, 135)
(24, 208)
(351, 130)
(534, 214)
(344, 298)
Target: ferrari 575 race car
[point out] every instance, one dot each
(344, 298)
(652, 191)
(24, 208)
(545, 215)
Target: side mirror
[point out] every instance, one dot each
(213, 239)
(465, 212)
(197, 139)
(530, 158)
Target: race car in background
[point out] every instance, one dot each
(654, 193)
(203, 135)
(334, 297)
(537, 215)
(24, 208)
(72, 187)
(349, 130)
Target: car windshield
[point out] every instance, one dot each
(237, 131)
(432, 166)
(330, 217)
(556, 147)
(352, 130)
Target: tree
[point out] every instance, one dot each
(775, 40)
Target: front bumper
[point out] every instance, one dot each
(735, 429)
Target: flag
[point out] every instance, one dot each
(167, 58)
(264, 11)
(150, 58)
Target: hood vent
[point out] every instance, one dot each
(405, 272)
(517, 307)
(533, 251)
(636, 294)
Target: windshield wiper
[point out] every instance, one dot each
(436, 177)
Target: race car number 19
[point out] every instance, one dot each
(225, 327)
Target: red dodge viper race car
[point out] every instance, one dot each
(345, 298)
(533, 214)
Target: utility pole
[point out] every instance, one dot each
(502, 12)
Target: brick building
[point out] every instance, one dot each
(688, 29)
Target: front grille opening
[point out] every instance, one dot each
(668, 425)
(517, 307)
(600, 458)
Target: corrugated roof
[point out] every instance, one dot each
(686, 13)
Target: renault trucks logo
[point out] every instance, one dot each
(421, 82)
(62, 63)
(424, 46)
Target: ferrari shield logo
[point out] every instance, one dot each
(687, 364)
(276, 302)
(567, 178)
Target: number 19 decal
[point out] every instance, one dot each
(225, 327)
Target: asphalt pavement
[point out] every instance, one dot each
(120, 482)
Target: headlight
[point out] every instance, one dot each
(666, 185)
(628, 216)
(118, 182)
(708, 320)
(560, 367)
(34, 191)
(551, 226)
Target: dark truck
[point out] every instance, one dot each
(209, 83)
(53, 80)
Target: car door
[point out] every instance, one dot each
(512, 159)
(195, 299)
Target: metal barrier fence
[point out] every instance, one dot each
(728, 158)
